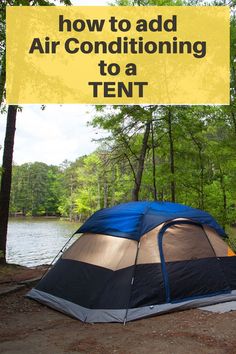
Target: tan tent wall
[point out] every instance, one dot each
(104, 251)
(149, 251)
(186, 242)
(181, 242)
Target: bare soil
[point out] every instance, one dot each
(28, 327)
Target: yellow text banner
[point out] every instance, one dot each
(118, 55)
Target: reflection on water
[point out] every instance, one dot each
(35, 241)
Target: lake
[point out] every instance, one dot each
(35, 241)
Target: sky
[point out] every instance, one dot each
(55, 134)
(59, 132)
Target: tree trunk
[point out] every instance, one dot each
(2, 78)
(172, 163)
(113, 185)
(138, 179)
(153, 167)
(201, 192)
(202, 197)
(71, 198)
(224, 199)
(6, 179)
(234, 122)
(105, 199)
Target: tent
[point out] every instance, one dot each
(138, 259)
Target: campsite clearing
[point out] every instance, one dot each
(28, 327)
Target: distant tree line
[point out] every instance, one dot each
(181, 154)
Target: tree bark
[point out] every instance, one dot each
(138, 179)
(2, 78)
(153, 166)
(234, 121)
(224, 199)
(172, 162)
(201, 193)
(6, 179)
(202, 197)
(105, 197)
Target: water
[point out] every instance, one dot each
(36, 241)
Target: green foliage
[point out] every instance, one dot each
(35, 189)
(232, 238)
(204, 147)
(205, 167)
(148, 2)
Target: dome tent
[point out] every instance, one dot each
(138, 259)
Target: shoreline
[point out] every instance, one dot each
(12, 274)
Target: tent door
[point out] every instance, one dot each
(190, 267)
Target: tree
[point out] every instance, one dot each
(36, 189)
(11, 124)
(130, 128)
(69, 184)
(6, 179)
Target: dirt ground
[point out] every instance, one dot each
(30, 328)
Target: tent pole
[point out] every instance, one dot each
(61, 251)
(132, 282)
